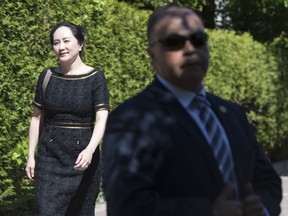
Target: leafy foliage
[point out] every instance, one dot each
(120, 50)
(243, 71)
(25, 52)
(280, 49)
(264, 19)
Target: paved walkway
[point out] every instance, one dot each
(101, 208)
(284, 203)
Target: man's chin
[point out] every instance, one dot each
(194, 74)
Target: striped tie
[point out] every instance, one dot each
(216, 140)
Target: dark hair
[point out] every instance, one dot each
(157, 15)
(78, 31)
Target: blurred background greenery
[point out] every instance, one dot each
(248, 44)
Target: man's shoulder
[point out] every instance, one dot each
(229, 104)
(215, 98)
(141, 101)
(135, 113)
(148, 98)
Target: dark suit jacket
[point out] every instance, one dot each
(158, 163)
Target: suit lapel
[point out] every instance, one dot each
(171, 105)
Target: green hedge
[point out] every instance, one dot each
(241, 70)
(120, 49)
(25, 52)
(244, 71)
(279, 48)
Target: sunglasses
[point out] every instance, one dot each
(176, 41)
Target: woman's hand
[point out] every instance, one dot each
(30, 168)
(84, 159)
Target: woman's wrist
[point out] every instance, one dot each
(31, 156)
(91, 149)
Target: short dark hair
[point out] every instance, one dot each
(156, 15)
(78, 31)
(159, 12)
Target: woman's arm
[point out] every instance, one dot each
(33, 140)
(85, 157)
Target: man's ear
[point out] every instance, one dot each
(150, 52)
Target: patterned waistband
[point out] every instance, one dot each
(70, 124)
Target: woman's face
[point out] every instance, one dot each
(65, 45)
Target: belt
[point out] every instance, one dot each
(70, 124)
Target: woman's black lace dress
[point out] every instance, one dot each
(70, 103)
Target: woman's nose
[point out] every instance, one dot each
(61, 46)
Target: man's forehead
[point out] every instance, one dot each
(179, 10)
(175, 17)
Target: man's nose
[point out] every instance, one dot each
(189, 48)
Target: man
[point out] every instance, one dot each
(175, 149)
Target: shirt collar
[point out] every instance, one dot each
(183, 96)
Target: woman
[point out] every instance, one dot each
(67, 171)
